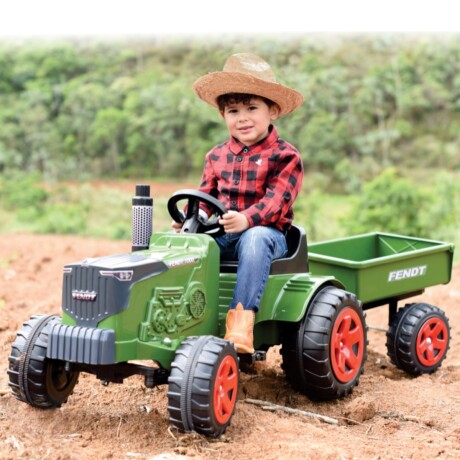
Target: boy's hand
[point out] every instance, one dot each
(176, 226)
(234, 222)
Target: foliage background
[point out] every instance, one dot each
(379, 132)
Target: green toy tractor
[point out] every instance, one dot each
(167, 300)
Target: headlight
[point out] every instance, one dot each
(120, 275)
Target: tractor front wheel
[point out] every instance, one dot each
(418, 338)
(324, 355)
(33, 378)
(203, 385)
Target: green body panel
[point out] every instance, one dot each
(379, 265)
(172, 305)
(191, 297)
(285, 299)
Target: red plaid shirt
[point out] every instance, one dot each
(260, 181)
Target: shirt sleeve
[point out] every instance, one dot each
(281, 191)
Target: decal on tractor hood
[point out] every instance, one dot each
(405, 273)
(179, 262)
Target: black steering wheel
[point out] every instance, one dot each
(192, 221)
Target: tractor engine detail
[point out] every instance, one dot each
(170, 311)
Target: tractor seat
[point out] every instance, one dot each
(295, 261)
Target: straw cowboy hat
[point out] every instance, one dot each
(249, 74)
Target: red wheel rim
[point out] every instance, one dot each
(432, 342)
(225, 389)
(347, 345)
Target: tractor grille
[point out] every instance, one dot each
(97, 288)
(89, 297)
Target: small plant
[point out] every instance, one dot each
(22, 191)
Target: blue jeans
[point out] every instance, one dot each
(255, 249)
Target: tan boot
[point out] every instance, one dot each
(240, 329)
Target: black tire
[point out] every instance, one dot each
(33, 378)
(315, 350)
(203, 385)
(418, 338)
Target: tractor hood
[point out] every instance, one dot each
(96, 288)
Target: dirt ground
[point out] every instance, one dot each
(390, 415)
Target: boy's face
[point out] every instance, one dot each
(249, 122)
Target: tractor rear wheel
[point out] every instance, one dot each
(418, 338)
(324, 355)
(203, 385)
(33, 378)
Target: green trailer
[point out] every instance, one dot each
(166, 301)
(383, 269)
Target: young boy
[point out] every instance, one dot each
(255, 174)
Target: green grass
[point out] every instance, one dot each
(103, 210)
(81, 209)
(320, 214)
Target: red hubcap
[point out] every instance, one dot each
(431, 343)
(225, 389)
(347, 345)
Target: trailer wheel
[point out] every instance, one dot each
(324, 355)
(203, 385)
(33, 378)
(418, 338)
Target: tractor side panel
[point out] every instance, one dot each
(170, 306)
(286, 298)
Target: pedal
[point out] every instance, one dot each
(258, 355)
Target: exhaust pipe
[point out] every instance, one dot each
(142, 206)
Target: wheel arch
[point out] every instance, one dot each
(296, 296)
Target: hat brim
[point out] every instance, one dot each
(215, 84)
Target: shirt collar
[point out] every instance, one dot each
(237, 147)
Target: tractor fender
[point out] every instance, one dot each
(296, 295)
